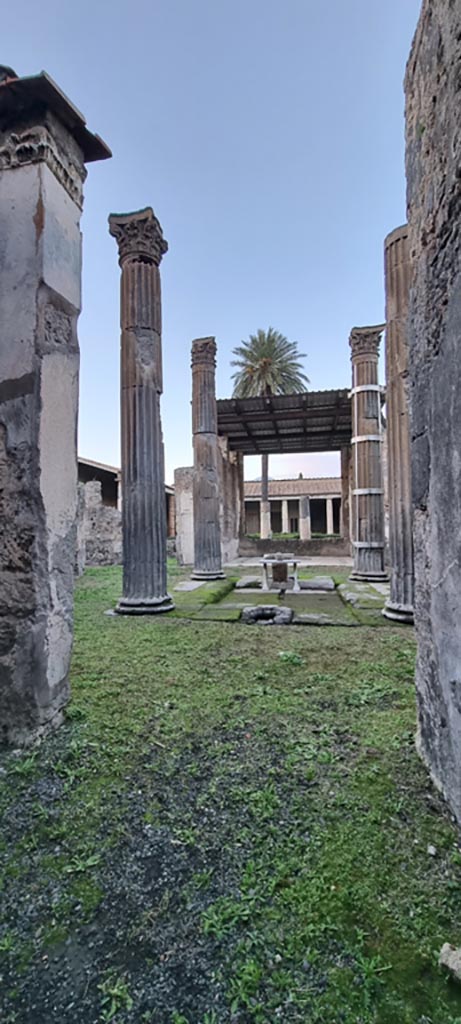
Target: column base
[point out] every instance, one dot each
(197, 574)
(399, 613)
(148, 606)
(369, 577)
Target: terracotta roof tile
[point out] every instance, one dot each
(295, 488)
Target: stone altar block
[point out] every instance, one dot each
(276, 562)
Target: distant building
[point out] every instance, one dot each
(111, 493)
(284, 497)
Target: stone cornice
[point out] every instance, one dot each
(204, 351)
(35, 145)
(139, 236)
(365, 340)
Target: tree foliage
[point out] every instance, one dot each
(268, 364)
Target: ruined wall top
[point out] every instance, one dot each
(204, 351)
(364, 341)
(139, 236)
(396, 235)
(39, 124)
(35, 95)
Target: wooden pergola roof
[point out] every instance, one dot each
(316, 421)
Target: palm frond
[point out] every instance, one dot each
(268, 363)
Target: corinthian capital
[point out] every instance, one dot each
(364, 341)
(139, 236)
(204, 351)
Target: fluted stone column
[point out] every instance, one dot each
(141, 246)
(44, 146)
(345, 492)
(305, 519)
(397, 277)
(207, 532)
(367, 490)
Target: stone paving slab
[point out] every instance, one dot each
(323, 620)
(275, 590)
(189, 584)
(382, 588)
(246, 582)
(318, 583)
(320, 607)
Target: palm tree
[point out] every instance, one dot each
(268, 364)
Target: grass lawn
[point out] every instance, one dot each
(232, 828)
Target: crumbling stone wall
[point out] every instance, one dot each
(230, 507)
(103, 528)
(229, 500)
(433, 161)
(99, 529)
(80, 550)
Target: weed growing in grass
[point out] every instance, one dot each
(223, 916)
(24, 767)
(291, 657)
(115, 996)
(7, 943)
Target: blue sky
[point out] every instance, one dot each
(268, 137)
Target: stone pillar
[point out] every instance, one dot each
(266, 526)
(119, 491)
(285, 517)
(44, 145)
(367, 490)
(345, 488)
(183, 492)
(141, 246)
(330, 522)
(305, 519)
(397, 276)
(433, 160)
(229, 499)
(207, 533)
(241, 487)
(171, 516)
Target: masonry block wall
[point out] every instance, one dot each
(433, 162)
(44, 144)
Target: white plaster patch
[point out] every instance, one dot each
(58, 640)
(183, 486)
(58, 451)
(61, 240)
(19, 269)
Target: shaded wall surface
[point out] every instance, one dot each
(99, 529)
(433, 162)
